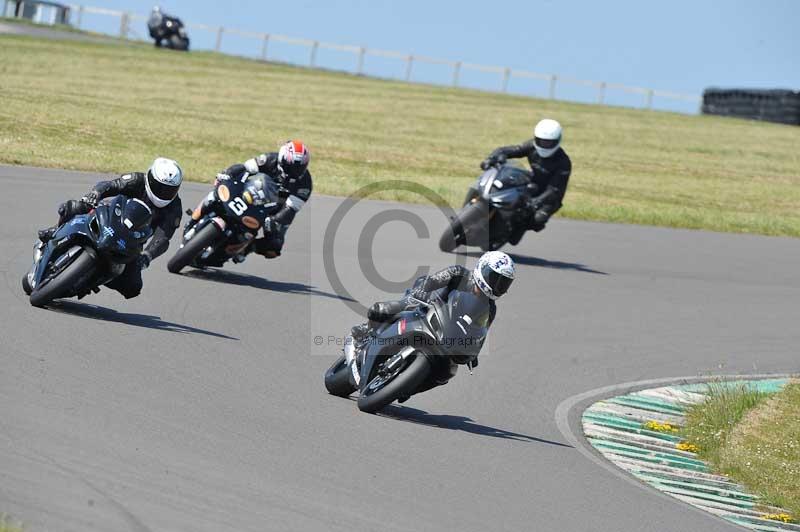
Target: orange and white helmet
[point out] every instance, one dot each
(293, 158)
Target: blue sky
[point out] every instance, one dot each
(680, 46)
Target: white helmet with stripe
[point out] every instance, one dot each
(494, 273)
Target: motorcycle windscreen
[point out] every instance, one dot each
(113, 236)
(513, 176)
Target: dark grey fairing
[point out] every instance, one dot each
(102, 231)
(501, 192)
(451, 329)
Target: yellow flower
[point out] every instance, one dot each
(786, 518)
(689, 447)
(660, 427)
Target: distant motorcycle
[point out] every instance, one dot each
(409, 354)
(229, 227)
(492, 212)
(88, 251)
(167, 31)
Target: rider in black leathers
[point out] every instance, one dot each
(158, 188)
(490, 279)
(551, 169)
(288, 168)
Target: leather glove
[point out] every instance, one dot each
(486, 163)
(91, 198)
(534, 205)
(143, 261)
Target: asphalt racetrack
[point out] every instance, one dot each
(199, 406)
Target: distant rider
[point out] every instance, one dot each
(288, 169)
(158, 189)
(551, 169)
(490, 279)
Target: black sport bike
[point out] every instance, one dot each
(493, 211)
(88, 251)
(417, 351)
(167, 31)
(228, 228)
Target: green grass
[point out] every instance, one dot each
(105, 107)
(753, 438)
(7, 526)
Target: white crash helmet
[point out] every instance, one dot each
(547, 137)
(163, 181)
(494, 273)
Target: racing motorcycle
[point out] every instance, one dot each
(167, 31)
(88, 251)
(493, 210)
(417, 351)
(230, 226)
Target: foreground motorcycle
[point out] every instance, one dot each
(167, 31)
(228, 228)
(493, 210)
(415, 352)
(88, 251)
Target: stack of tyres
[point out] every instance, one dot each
(774, 105)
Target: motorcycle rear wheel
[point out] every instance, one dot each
(65, 282)
(404, 384)
(337, 379)
(200, 241)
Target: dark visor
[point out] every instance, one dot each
(547, 144)
(160, 190)
(498, 283)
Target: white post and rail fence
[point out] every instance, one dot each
(454, 78)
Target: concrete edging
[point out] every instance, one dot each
(636, 433)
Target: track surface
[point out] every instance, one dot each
(200, 406)
(44, 32)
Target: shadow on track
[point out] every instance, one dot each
(462, 423)
(96, 312)
(540, 263)
(243, 279)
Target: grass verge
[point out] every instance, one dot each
(106, 107)
(7, 526)
(754, 438)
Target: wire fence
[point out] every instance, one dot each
(449, 72)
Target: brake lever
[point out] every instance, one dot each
(416, 301)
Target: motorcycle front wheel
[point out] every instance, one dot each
(191, 249)
(337, 379)
(460, 227)
(379, 394)
(65, 282)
